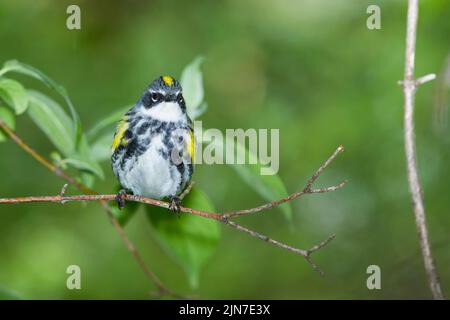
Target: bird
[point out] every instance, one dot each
(153, 148)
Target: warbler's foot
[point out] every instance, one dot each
(120, 198)
(174, 205)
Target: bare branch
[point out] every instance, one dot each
(211, 215)
(306, 190)
(409, 89)
(328, 189)
(426, 78)
(316, 174)
(322, 244)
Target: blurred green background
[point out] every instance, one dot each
(310, 68)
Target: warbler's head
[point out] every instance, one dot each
(163, 99)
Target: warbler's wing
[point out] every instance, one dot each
(119, 135)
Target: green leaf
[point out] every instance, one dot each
(81, 161)
(8, 117)
(57, 160)
(192, 84)
(87, 178)
(110, 121)
(101, 148)
(84, 154)
(85, 165)
(52, 120)
(197, 112)
(19, 67)
(48, 115)
(189, 239)
(8, 294)
(14, 94)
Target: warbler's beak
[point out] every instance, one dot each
(171, 98)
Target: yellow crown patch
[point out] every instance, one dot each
(168, 80)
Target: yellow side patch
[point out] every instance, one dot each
(191, 146)
(119, 135)
(168, 80)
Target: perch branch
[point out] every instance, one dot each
(162, 289)
(210, 215)
(223, 218)
(409, 88)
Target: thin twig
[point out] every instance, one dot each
(425, 79)
(316, 174)
(319, 246)
(306, 190)
(162, 289)
(223, 218)
(409, 89)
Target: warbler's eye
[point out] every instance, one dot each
(155, 96)
(180, 98)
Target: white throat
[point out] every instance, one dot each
(165, 111)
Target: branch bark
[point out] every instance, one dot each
(409, 89)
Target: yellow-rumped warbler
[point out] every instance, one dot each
(153, 147)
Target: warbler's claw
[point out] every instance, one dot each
(174, 205)
(120, 198)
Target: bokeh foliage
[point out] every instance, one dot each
(310, 68)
